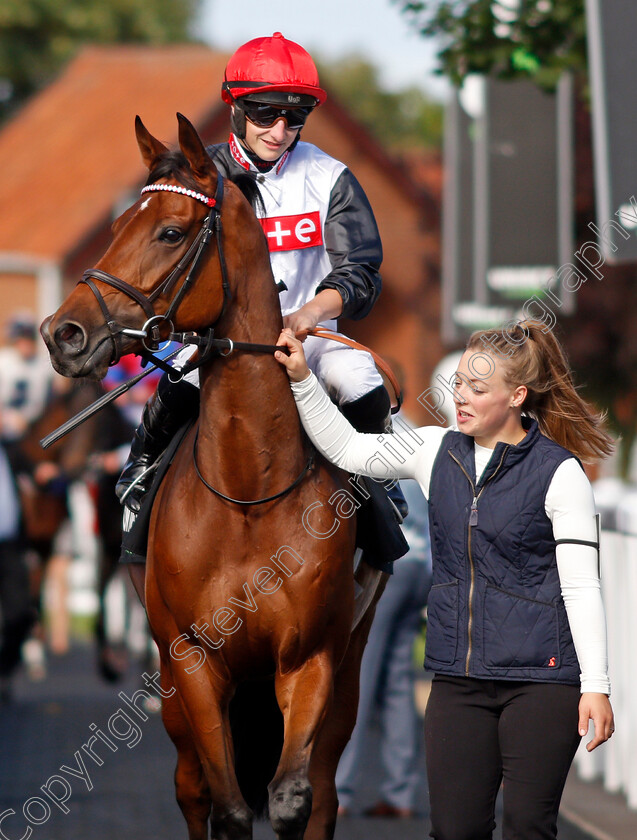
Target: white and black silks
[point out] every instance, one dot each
(320, 227)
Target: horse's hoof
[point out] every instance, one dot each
(290, 806)
(234, 826)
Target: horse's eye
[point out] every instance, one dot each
(172, 235)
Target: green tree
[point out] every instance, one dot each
(37, 37)
(539, 39)
(400, 120)
(508, 38)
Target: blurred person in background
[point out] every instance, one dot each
(16, 613)
(388, 678)
(27, 384)
(26, 377)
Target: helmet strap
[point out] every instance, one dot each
(238, 120)
(259, 163)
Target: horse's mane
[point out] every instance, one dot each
(173, 164)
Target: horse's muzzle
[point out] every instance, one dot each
(70, 351)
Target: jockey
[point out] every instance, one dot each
(325, 249)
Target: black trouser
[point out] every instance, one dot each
(16, 611)
(479, 733)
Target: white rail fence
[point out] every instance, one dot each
(615, 763)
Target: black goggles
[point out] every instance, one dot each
(263, 114)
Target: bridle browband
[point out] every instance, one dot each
(205, 199)
(150, 333)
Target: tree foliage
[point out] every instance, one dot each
(539, 39)
(398, 119)
(38, 36)
(508, 38)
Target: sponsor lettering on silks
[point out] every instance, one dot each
(288, 233)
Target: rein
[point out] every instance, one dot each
(211, 346)
(381, 364)
(150, 333)
(306, 469)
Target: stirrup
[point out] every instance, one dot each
(149, 469)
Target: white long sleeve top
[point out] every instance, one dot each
(569, 505)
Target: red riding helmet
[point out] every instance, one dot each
(272, 66)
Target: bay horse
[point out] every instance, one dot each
(239, 591)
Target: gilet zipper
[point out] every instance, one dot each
(473, 521)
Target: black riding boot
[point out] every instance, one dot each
(372, 413)
(172, 404)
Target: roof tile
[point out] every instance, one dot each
(80, 120)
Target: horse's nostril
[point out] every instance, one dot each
(70, 336)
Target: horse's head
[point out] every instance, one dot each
(141, 287)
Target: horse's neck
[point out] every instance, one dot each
(248, 414)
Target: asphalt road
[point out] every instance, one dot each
(131, 794)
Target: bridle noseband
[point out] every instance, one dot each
(190, 261)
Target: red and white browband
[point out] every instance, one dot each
(209, 202)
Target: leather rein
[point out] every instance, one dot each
(381, 364)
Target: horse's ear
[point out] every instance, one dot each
(195, 151)
(149, 146)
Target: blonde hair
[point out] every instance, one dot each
(533, 357)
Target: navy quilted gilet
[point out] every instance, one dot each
(495, 610)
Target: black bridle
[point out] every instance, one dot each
(150, 331)
(191, 260)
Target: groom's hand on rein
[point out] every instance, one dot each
(295, 363)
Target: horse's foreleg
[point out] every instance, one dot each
(204, 699)
(304, 697)
(191, 785)
(336, 732)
